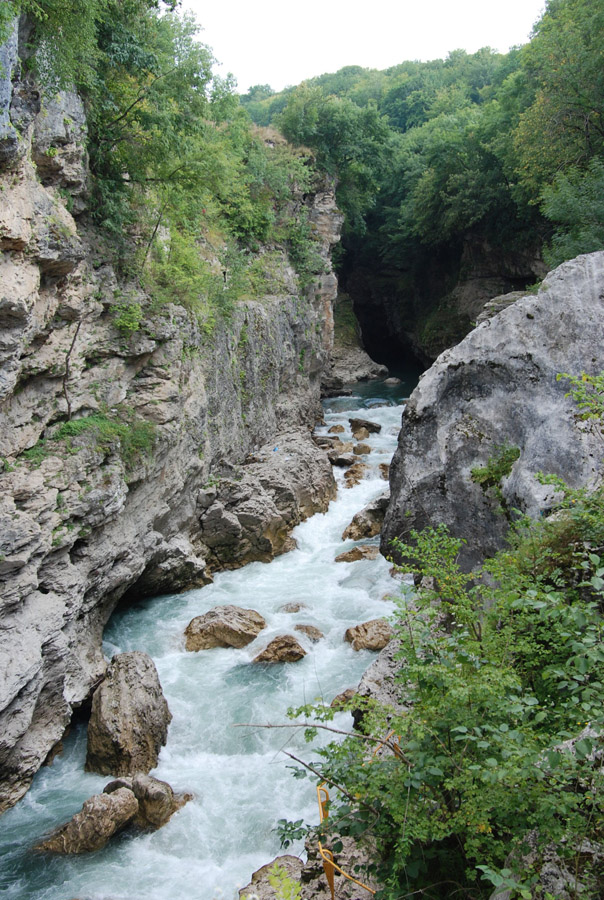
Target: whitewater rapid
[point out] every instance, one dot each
(239, 776)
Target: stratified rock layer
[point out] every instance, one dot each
(129, 719)
(499, 388)
(81, 525)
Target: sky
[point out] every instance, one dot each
(280, 42)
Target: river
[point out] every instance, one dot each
(239, 777)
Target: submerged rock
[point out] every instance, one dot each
(223, 626)
(361, 449)
(311, 632)
(99, 819)
(373, 635)
(129, 719)
(283, 648)
(367, 551)
(355, 474)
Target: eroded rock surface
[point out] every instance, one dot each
(366, 551)
(223, 626)
(129, 719)
(368, 522)
(260, 887)
(80, 529)
(100, 818)
(283, 648)
(373, 635)
(499, 388)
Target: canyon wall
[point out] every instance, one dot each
(136, 457)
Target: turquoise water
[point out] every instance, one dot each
(239, 775)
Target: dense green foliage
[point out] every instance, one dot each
(505, 149)
(498, 749)
(185, 187)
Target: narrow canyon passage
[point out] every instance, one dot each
(240, 780)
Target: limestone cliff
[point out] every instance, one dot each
(498, 388)
(131, 457)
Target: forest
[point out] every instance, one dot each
(500, 745)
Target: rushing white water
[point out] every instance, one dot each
(239, 776)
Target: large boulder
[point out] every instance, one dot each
(368, 522)
(156, 801)
(223, 626)
(129, 719)
(283, 648)
(373, 635)
(498, 389)
(99, 819)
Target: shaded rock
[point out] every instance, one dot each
(157, 802)
(336, 429)
(223, 626)
(124, 782)
(255, 513)
(283, 648)
(367, 551)
(311, 631)
(392, 382)
(260, 887)
(379, 681)
(355, 474)
(341, 460)
(100, 817)
(373, 635)
(129, 719)
(9, 137)
(384, 471)
(361, 449)
(371, 427)
(368, 522)
(293, 607)
(498, 388)
(342, 699)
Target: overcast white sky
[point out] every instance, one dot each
(279, 42)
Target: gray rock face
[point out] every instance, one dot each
(282, 484)
(498, 387)
(79, 530)
(99, 819)
(224, 626)
(59, 145)
(129, 719)
(9, 138)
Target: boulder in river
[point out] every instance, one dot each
(341, 459)
(355, 474)
(367, 424)
(223, 626)
(293, 607)
(361, 434)
(373, 635)
(340, 700)
(366, 551)
(283, 648)
(336, 429)
(384, 471)
(156, 801)
(361, 449)
(129, 719)
(368, 522)
(99, 819)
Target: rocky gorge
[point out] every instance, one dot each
(224, 466)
